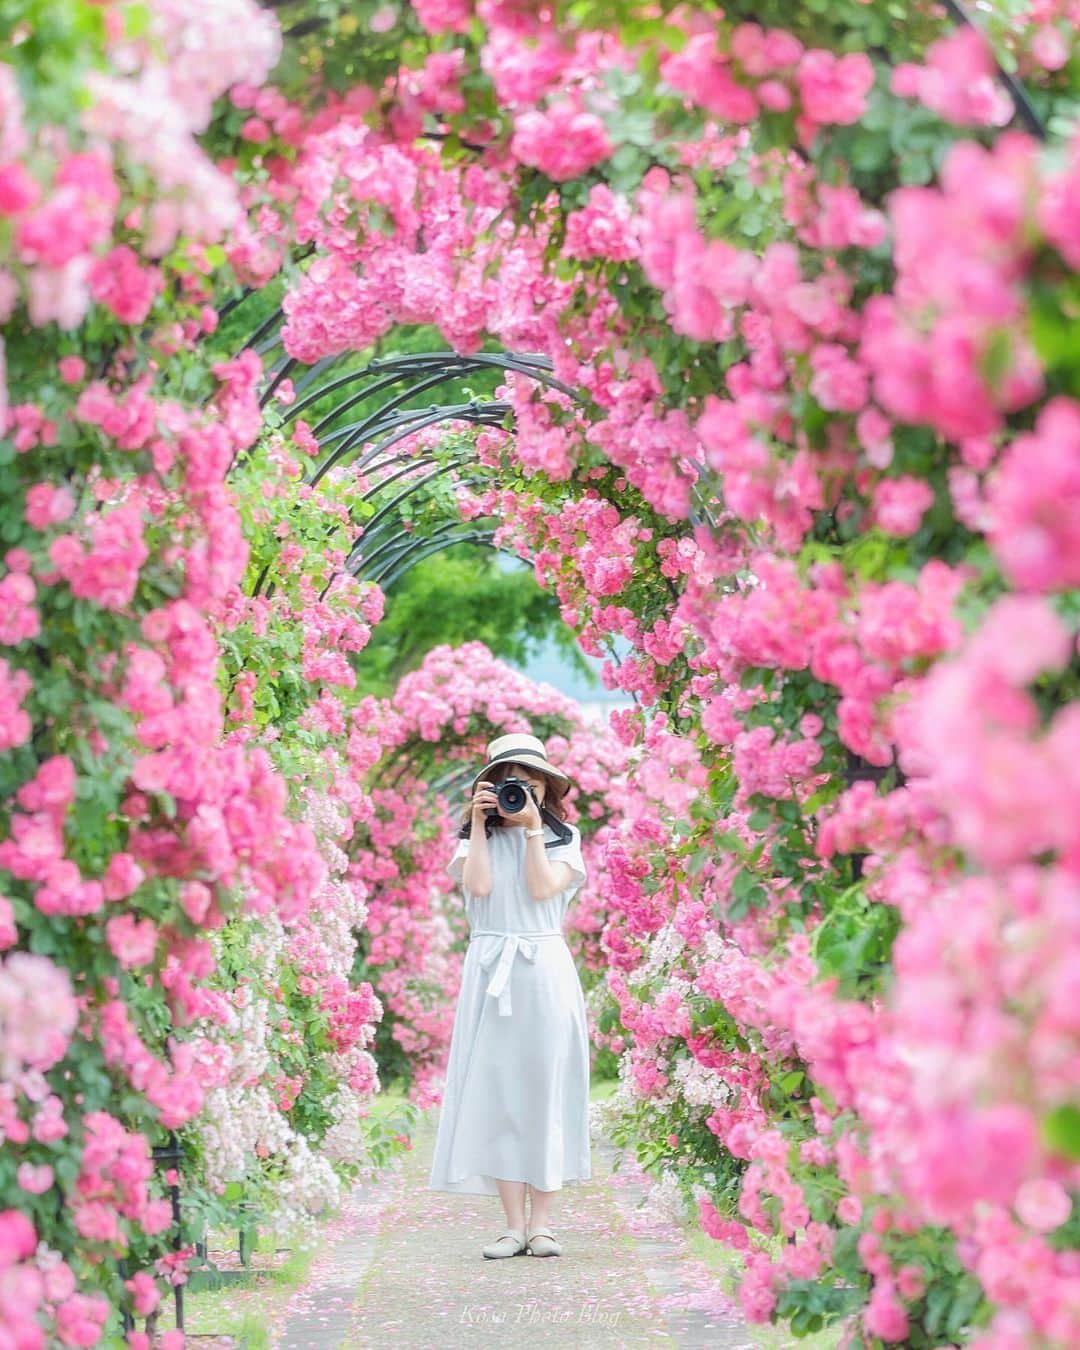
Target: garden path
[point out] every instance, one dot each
(414, 1277)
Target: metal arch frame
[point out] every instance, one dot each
(392, 423)
(433, 368)
(405, 424)
(385, 535)
(421, 547)
(390, 369)
(400, 565)
(388, 550)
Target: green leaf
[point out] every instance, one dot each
(743, 884)
(963, 1306)
(1061, 1130)
(697, 861)
(738, 909)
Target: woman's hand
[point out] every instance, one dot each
(484, 799)
(529, 815)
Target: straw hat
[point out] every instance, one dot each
(519, 748)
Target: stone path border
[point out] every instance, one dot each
(317, 1316)
(697, 1313)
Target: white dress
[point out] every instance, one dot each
(516, 1101)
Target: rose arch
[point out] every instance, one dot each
(773, 311)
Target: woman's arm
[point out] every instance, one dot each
(543, 877)
(476, 874)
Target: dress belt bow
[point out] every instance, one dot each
(504, 953)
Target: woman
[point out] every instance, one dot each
(515, 1111)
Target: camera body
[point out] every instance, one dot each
(510, 794)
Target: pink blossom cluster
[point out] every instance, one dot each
(66, 205)
(758, 69)
(961, 249)
(602, 228)
(1033, 502)
(344, 301)
(827, 216)
(564, 141)
(106, 572)
(113, 1183)
(38, 1014)
(363, 202)
(244, 39)
(443, 16)
(958, 80)
(15, 724)
(523, 73)
(38, 1295)
(979, 705)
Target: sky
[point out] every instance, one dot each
(548, 665)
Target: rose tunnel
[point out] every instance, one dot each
(753, 334)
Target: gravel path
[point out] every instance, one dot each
(409, 1273)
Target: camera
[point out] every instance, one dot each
(510, 794)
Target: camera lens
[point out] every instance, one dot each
(511, 797)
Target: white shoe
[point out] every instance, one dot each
(542, 1243)
(512, 1243)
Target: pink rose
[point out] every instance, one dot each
(17, 1237)
(884, 1315)
(132, 941)
(1043, 1204)
(122, 877)
(34, 1180)
(72, 369)
(900, 503)
(47, 505)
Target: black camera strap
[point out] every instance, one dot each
(559, 827)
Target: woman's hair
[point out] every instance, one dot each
(553, 797)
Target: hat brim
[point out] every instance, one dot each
(528, 761)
